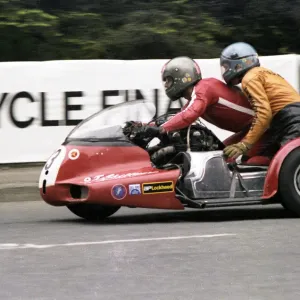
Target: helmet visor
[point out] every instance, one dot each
(224, 68)
(168, 82)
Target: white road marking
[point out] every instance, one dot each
(12, 246)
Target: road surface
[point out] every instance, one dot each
(140, 254)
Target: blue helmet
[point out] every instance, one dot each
(237, 59)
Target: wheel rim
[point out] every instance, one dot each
(297, 180)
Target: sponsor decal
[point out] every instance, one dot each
(73, 154)
(102, 177)
(134, 189)
(158, 187)
(187, 78)
(119, 191)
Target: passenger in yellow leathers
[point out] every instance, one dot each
(275, 102)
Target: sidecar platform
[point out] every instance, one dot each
(209, 181)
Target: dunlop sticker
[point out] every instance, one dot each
(158, 187)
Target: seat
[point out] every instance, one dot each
(258, 161)
(253, 164)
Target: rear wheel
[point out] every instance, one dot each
(289, 182)
(91, 211)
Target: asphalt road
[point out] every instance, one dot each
(138, 254)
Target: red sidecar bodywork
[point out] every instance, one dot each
(94, 173)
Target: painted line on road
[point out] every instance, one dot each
(12, 246)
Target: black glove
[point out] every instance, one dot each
(131, 123)
(145, 131)
(129, 126)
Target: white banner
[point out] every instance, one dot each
(40, 102)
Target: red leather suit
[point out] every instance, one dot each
(216, 103)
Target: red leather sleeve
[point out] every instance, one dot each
(185, 106)
(189, 114)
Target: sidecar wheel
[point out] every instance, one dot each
(289, 182)
(91, 211)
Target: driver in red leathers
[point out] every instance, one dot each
(211, 99)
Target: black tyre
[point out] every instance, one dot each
(289, 182)
(91, 211)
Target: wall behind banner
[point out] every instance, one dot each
(40, 102)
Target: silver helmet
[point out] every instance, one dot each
(181, 73)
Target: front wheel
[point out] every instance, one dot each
(289, 182)
(92, 211)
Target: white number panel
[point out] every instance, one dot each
(51, 168)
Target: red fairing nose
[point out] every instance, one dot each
(90, 174)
